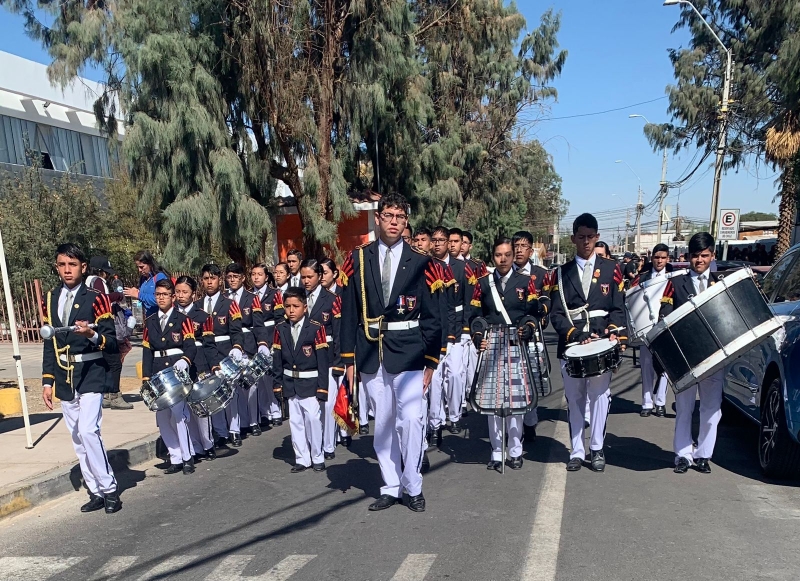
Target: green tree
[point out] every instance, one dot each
(757, 216)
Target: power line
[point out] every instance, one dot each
(604, 112)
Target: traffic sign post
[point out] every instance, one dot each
(728, 229)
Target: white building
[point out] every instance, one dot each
(36, 117)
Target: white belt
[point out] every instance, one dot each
(246, 330)
(168, 353)
(198, 343)
(221, 338)
(300, 374)
(459, 308)
(579, 314)
(80, 358)
(398, 326)
(269, 323)
(329, 339)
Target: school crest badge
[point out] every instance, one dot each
(520, 293)
(307, 350)
(176, 337)
(246, 311)
(326, 317)
(222, 320)
(605, 289)
(267, 306)
(411, 302)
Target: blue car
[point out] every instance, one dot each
(765, 382)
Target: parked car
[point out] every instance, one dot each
(764, 383)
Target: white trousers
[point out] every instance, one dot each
(227, 422)
(306, 430)
(514, 430)
(329, 425)
(248, 406)
(399, 406)
(268, 406)
(532, 417)
(455, 381)
(470, 359)
(436, 414)
(576, 391)
(650, 382)
(364, 405)
(83, 416)
(710, 413)
(200, 433)
(173, 423)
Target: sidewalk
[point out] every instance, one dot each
(31, 357)
(50, 469)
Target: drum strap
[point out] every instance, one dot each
(584, 310)
(498, 302)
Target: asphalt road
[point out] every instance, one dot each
(244, 516)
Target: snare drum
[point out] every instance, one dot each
(229, 370)
(703, 335)
(210, 395)
(592, 359)
(166, 388)
(255, 370)
(642, 306)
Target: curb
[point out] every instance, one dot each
(65, 479)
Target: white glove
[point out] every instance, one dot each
(236, 353)
(264, 350)
(181, 365)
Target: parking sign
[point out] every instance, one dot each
(729, 225)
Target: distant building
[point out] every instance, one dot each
(758, 230)
(58, 126)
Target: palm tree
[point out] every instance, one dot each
(782, 145)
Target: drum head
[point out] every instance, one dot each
(593, 348)
(202, 389)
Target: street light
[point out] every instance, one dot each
(662, 194)
(639, 208)
(723, 130)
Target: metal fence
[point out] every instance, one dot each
(28, 311)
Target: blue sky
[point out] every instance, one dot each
(617, 57)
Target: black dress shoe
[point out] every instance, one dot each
(95, 503)
(363, 430)
(347, 441)
(318, 467)
(199, 458)
(265, 423)
(682, 466)
(222, 442)
(598, 461)
(174, 469)
(493, 465)
(188, 467)
(113, 503)
(277, 422)
(255, 430)
(439, 437)
(702, 465)
(586, 425)
(574, 464)
(661, 411)
(416, 503)
(299, 468)
(211, 454)
(329, 455)
(384, 501)
(426, 463)
(236, 440)
(645, 413)
(515, 463)
(453, 428)
(530, 433)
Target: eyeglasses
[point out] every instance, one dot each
(389, 217)
(163, 295)
(438, 240)
(522, 246)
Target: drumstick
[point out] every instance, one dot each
(605, 336)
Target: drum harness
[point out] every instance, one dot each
(583, 311)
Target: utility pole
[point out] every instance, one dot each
(662, 194)
(639, 211)
(627, 227)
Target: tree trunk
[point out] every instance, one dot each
(787, 210)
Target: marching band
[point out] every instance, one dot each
(411, 331)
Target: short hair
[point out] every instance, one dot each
(456, 231)
(187, 280)
(313, 264)
(500, 241)
(468, 235)
(661, 248)
(522, 235)
(167, 284)
(295, 252)
(71, 250)
(442, 230)
(295, 292)
(423, 231)
(394, 201)
(212, 269)
(234, 268)
(701, 241)
(585, 220)
(410, 230)
(331, 265)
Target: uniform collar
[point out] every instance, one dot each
(298, 323)
(581, 262)
(187, 309)
(315, 293)
(168, 313)
(382, 246)
(74, 290)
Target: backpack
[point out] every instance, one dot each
(123, 331)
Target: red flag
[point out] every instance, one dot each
(343, 411)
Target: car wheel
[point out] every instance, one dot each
(778, 453)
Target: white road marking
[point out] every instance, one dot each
(233, 566)
(113, 568)
(164, 569)
(34, 568)
(770, 501)
(414, 568)
(542, 557)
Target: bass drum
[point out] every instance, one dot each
(643, 304)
